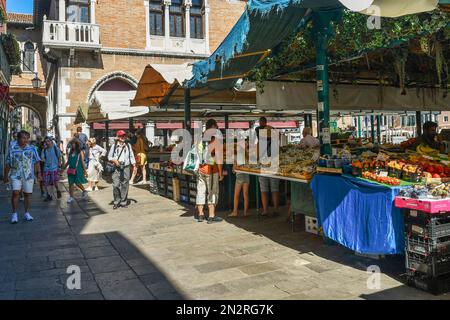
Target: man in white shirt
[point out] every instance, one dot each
(122, 157)
(308, 140)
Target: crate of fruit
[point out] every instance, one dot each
(425, 205)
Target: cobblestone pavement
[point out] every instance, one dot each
(155, 250)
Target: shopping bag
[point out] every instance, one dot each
(192, 160)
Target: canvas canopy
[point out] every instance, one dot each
(302, 96)
(113, 105)
(162, 86)
(158, 81)
(266, 23)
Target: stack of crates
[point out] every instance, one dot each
(427, 240)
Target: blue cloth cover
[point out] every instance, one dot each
(358, 214)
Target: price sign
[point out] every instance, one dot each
(383, 174)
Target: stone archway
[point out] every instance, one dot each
(111, 76)
(40, 114)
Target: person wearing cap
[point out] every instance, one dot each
(122, 157)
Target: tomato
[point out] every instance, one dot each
(436, 176)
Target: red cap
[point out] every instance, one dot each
(121, 133)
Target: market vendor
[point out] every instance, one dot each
(428, 142)
(308, 140)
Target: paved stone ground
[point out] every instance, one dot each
(155, 250)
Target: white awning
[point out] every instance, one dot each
(303, 96)
(113, 105)
(391, 8)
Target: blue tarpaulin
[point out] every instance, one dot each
(358, 214)
(263, 25)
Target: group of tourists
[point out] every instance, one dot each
(84, 162)
(45, 162)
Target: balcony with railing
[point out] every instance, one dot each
(63, 34)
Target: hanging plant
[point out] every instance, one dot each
(3, 17)
(12, 50)
(401, 56)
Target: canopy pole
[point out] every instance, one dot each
(419, 123)
(372, 128)
(359, 127)
(323, 31)
(107, 135)
(130, 123)
(379, 129)
(228, 167)
(187, 109)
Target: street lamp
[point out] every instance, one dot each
(36, 82)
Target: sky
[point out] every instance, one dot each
(19, 6)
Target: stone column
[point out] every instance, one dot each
(187, 18)
(147, 24)
(62, 10)
(167, 3)
(206, 26)
(92, 8)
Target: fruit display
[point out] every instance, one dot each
(426, 150)
(426, 191)
(293, 161)
(381, 179)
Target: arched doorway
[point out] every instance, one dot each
(25, 117)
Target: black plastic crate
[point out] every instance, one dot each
(432, 265)
(424, 218)
(428, 246)
(436, 285)
(434, 229)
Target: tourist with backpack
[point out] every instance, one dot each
(51, 159)
(122, 161)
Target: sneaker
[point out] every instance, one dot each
(43, 195)
(84, 194)
(200, 218)
(14, 218)
(96, 189)
(28, 217)
(49, 198)
(214, 220)
(58, 194)
(70, 200)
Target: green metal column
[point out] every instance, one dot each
(323, 31)
(359, 127)
(107, 134)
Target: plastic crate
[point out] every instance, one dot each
(434, 229)
(427, 246)
(417, 216)
(432, 265)
(436, 285)
(311, 225)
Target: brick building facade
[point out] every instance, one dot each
(90, 45)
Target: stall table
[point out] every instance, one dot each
(359, 214)
(268, 175)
